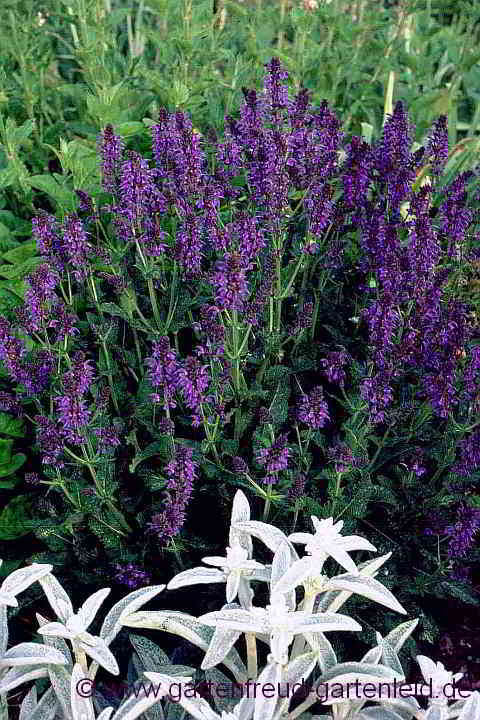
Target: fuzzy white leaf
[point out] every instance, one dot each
(240, 513)
(133, 706)
(57, 597)
(368, 587)
(46, 708)
(8, 599)
(91, 606)
(31, 654)
(82, 707)
(60, 680)
(20, 675)
(240, 620)
(401, 633)
(3, 629)
(271, 536)
(129, 604)
(102, 655)
(296, 574)
(435, 712)
(196, 576)
(378, 713)
(333, 601)
(323, 650)
(21, 579)
(106, 714)
(56, 629)
(28, 704)
(265, 705)
(240, 508)
(280, 564)
(301, 622)
(221, 643)
(187, 627)
(300, 668)
(471, 708)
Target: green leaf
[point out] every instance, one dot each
(14, 271)
(7, 177)
(8, 300)
(159, 447)
(5, 451)
(16, 519)
(15, 464)
(20, 254)
(127, 129)
(10, 483)
(47, 184)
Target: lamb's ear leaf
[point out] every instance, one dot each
(471, 708)
(19, 675)
(57, 597)
(46, 708)
(221, 643)
(127, 605)
(60, 679)
(82, 706)
(401, 633)
(265, 706)
(20, 580)
(150, 655)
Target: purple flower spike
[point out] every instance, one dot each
(274, 458)
(111, 147)
(313, 409)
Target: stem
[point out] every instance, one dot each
(153, 300)
(252, 665)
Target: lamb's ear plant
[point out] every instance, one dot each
(71, 656)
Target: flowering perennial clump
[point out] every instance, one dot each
(184, 296)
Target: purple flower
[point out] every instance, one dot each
(313, 409)
(437, 147)
(472, 374)
(462, 533)
(256, 307)
(344, 458)
(163, 368)
(276, 90)
(85, 203)
(111, 148)
(274, 458)
(75, 247)
(62, 322)
(356, 172)
(9, 403)
(333, 366)
(239, 465)
(469, 460)
(78, 379)
(138, 193)
(303, 319)
(378, 393)
(45, 232)
(107, 437)
(297, 490)
(49, 441)
(74, 416)
(12, 350)
(193, 380)
(179, 157)
(455, 216)
(41, 289)
(230, 281)
(189, 245)
(132, 575)
(32, 478)
(181, 474)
